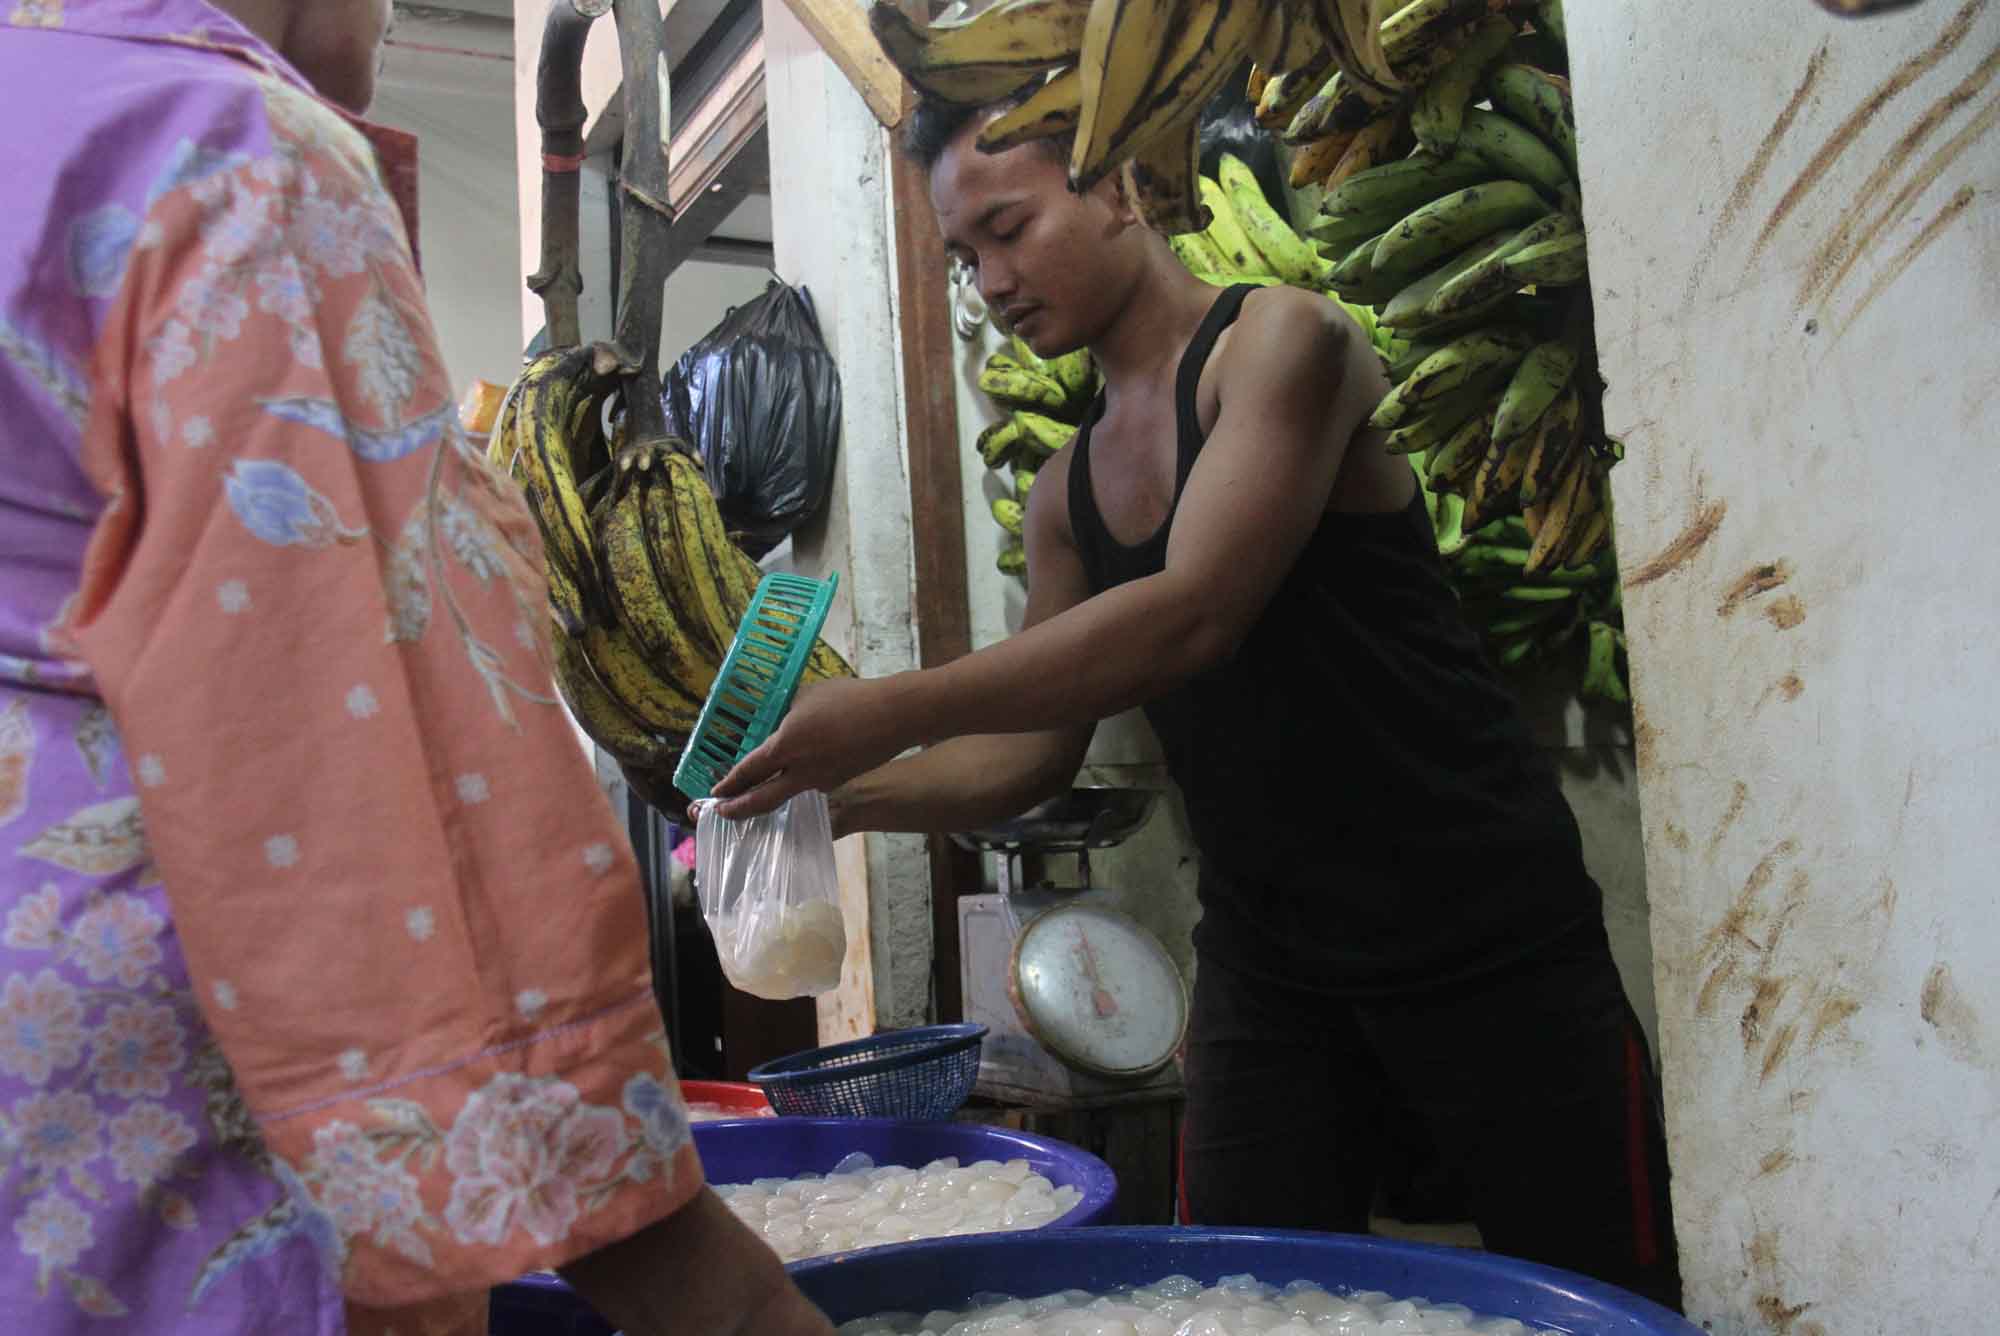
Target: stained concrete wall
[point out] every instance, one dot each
(1793, 251)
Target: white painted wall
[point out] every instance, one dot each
(1805, 515)
(831, 228)
(450, 84)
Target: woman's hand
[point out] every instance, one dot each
(833, 732)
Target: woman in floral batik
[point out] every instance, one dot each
(324, 1002)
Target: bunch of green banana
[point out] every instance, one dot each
(1454, 214)
(1042, 402)
(1471, 246)
(1129, 78)
(645, 586)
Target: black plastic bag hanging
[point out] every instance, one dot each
(1229, 125)
(759, 399)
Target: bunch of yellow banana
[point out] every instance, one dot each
(645, 586)
(1041, 402)
(1129, 78)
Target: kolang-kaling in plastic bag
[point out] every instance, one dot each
(771, 898)
(759, 398)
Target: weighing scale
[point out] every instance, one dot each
(1080, 1001)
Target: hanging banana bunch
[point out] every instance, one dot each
(1041, 403)
(1462, 228)
(646, 588)
(1128, 78)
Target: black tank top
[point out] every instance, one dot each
(1371, 812)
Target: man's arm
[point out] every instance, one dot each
(1295, 383)
(967, 782)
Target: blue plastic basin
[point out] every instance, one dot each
(742, 1150)
(946, 1273)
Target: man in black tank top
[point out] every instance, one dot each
(1396, 914)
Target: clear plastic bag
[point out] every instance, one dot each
(771, 898)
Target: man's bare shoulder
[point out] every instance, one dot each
(1287, 331)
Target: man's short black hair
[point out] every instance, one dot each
(934, 124)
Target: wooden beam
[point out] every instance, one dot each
(841, 29)
(937, 516)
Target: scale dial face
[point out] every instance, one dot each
(1099, 991)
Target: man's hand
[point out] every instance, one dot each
(833, 732)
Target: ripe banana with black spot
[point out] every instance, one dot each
(1053, 109)
(986, 57)
(1439, 111)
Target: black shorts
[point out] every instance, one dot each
(1535, 1084)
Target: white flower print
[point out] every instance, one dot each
(332, 234)
(41, 1026)
(471, 539)
(210, 304)
(473, 789)
(282, 851)
(420, 923)
(599, 858)
(147, 1140)
(35, 923)
(172, 351)
(233, 596)
(57, 1131)
(353, 1064)
(236, 231)
(306, 347)
(138, 1046)
(521, 1153)
(361, 703)
(284, 290)
(385, 356)
(54, 1231)
(151, 770)
(524, 635)
(224, 993)
(363, 1193)
(198, 432)
(530, 1002)
(114, 937)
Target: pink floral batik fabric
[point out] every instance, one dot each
(324, 1000)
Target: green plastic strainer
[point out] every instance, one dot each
(758, 679)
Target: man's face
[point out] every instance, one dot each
(337, 45)
(1052, 265)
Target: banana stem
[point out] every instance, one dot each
(560, 112)
(645, 216)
